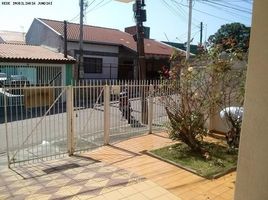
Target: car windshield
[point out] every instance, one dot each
(18, 78)
(3, 76)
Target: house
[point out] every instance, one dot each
(108, 53)
(12, 37)
(34, 65)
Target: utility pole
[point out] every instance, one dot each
(140, 16)
(80, 63)
(65, 39)
(201, 33)
(189, 29)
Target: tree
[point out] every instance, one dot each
(203, 89)
(231, 37)
(230, 81)
(189, 112)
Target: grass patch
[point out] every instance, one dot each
(220, 163)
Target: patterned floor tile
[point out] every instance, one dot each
(99, 184)
(62, 193)
(21, 192)
(99, 179)
(55, 183)
(47, 190)
(118, 182)
(127, 191)
(109, 189)
(72, 178)
(84, 176)
(38, 196)
(88, 191)
(115, 195)
(34, 188)
(49, 181)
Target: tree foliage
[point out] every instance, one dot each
(231, 37)
(230, 82)
(188, 109)
(199, 90)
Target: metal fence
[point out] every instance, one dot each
(16, 77)
(35, 128)
(53, 121)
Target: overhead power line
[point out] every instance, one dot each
(171, 8)
(176, 10)
(227, 6)
(228, 11)
(208, 13)
(74, 18)
(99, 5)
(180, 8)
(87, 10)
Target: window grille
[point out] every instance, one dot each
(92, 65)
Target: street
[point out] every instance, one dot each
(47, 135)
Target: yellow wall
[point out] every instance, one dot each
(252, 174)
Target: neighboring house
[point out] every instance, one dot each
(34, 65)
(108, 53)
(12, 37)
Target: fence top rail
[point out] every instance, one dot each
(90, 83)
(32, 87)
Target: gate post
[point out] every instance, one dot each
(70, 120)
(150, 108)
(106, 114)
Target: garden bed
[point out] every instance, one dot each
(220, 163)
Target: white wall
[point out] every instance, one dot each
(40, 34)
(252, 172)
(94, 47)
(107, 72)
(110, 59)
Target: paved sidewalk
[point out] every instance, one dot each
(77, 178)
(130, 155)
(118, 171)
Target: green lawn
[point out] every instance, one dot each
(220, 163)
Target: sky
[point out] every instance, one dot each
(167, 19)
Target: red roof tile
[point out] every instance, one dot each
(21, 52)
(109, 36)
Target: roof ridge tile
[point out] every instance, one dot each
(42, 19)
(106, 36)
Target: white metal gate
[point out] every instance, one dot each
(88, 115)
(35, 123)
(53, 121)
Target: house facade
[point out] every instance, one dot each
(34, 65)
(108, 53)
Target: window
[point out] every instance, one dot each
(92, 65)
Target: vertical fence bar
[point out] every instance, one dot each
(70, 121)
(106, 114)
(7, 140)
(150, 108)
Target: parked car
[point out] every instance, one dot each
(18, 80)
(3, 79)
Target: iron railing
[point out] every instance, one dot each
(51, 121)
